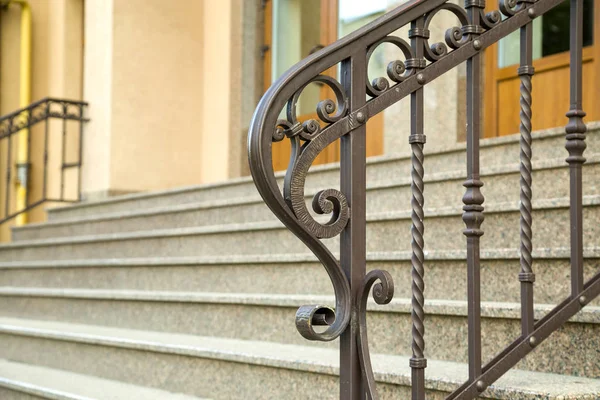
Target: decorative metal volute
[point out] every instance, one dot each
(289, 210)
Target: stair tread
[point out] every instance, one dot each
(443, 307)
(486, 254)
(490, 142)
(63, 385)
(175, 208)
(441, 375)
(194, 206)
(592, 200)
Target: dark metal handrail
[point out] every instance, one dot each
(25, 118)
(345, 117)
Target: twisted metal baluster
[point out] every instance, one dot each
(418, 362)
(575, 145)
(526, 276)
(473, 199)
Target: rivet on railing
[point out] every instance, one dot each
(421, 79)
(533, 341)
(361, 117)
(582, 300)
(481, 386)
(477, 45)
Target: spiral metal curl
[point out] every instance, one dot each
(490, 19)
(454, 37)
(329, 111)
(509, 7)
(383, 292)
(397, 70)
(418, 256)
(526, 193)
(329, 201)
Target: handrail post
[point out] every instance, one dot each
(417, 139)
(353, 237)
(575, 145)
(473, 198)
(526, 275)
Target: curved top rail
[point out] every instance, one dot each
(40, 102)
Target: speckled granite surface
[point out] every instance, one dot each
(230, 367)
(270, 318)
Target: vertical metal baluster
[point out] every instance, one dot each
(353, 237)
(64, 152)
(526, 276)
(8, 171)
(418, 362)
(473, 199)
(45, 183)
(28, 166)
(80, 160)
(575, 145)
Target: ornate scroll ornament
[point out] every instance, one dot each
(397, 70)
(308, 139)
(329, 201)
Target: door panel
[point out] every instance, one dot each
(550, 94)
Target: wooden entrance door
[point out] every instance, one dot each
(293, 30)
(550, 93)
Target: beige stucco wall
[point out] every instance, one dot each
(164, 84)
(97, 90)
(222, 75)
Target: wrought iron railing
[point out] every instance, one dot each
(25, 121)
(345, 119)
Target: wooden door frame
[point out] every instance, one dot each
(329, 34)
(493, 75)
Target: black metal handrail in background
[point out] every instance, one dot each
(344, 118)
(24, 119)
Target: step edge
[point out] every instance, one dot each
(560, 253)
(46, 391)
(276, 360)
(246, 201)
(38, 390)
(505, 207)
(439, 307)
(489, 142)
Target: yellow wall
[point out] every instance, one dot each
(57, 45)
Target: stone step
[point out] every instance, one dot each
(445, 274)
(550, 178)
(21, 381)
(231, 369)
(385, 232)
(571, 350)
(548, 144)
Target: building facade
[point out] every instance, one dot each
(171, 86)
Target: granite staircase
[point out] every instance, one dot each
(191, 293)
